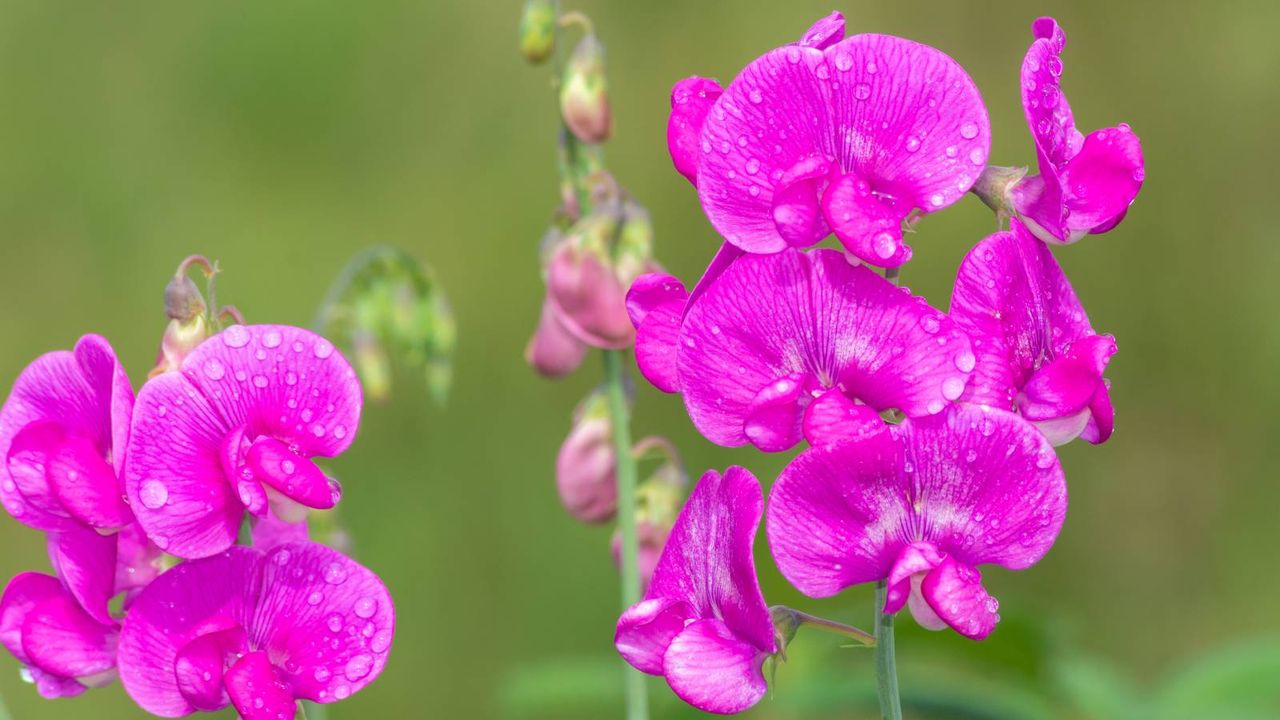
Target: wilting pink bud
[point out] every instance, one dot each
(584, 93)
(584, 289)
(553, 351)
(586, 467)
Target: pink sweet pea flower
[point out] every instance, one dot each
(553, 350)
(846, 136)
(703, 623)
(63, 649)
(258, 630)
(921, 505)
(63, 425)
(795, 345)
(234, 430)
(63, 431)
(1036, 352)
(1086, 183)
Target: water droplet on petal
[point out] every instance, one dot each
(271, 339)
(214, 369)
(952, 387)
(235, 336)
(862, 91)
(968, 131)
(154, 494)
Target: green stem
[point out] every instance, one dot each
(308, 710)
(4, 711)
(891, 274)
(637, 702)
(886, 665)
(861, 636)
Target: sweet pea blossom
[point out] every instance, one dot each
(1086, 183)
(795, 345)
(62, 648)
(831, 136)
(921, 505)
(234, 430)
(257, 630)
(1036, 351)
(63, 424)
(703, 623)
(63, 431)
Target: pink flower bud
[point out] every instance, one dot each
(586, 469)
(589, 298)
(553, 351)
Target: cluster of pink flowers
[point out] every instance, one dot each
(126, 487)
(930, 434)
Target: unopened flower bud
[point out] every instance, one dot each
(188, 317)
(371, 361)
(634, 252)
(538, 30)
(584, 92)
(586, 466)
(553, 351)
(785, 625)
(583, 287)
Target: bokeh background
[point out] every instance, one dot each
(283, 137)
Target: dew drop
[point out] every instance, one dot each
(358, 667)
(977, 157)
(884, 245)
(844, 61)
(335, 623)
(965, 361)
(862, 91)
(936, 200)
(913, 144)
(952, 387)
(365, 608)
(271, 339)
(753, 166)
(315, 598)
(335, 574)
(755, 96)
(260, 381)
(154, 494)
(380, 642)
(214, 369)
(322, 349)
(968, 131)
(235, 336)
(322, 674)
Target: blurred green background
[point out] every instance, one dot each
(282, 137)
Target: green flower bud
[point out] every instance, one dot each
(584, 92)
(538, 30)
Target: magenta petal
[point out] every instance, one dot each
(1102, 417)
(281, 381)
(721, 261)
(708, 561)
(136, 559)
(1103, 179)
(656, 304)
(29, 498)
(902, 116)
(176, 609)
(978, 484)
(867, 227)
(86, 562)
(916, 558)
(775, 415)
(270, 531)
(23, 593)
(691, 100)
(833, 418)
(61, 639)
(1085, 184)
(329, 619)
(173, 473)
(954, 591)
(1013, 300)
(107, 376)
(988, 483)
(826, 32)
(712, 669)
(834, 514)
(796, 210)
(201, 664)
(553, 351)
(1068, 384)
(52, 687)
(86, 486)
(586, 476)
(647, 628)
(295, 477)
(257, 690)
(769, 316)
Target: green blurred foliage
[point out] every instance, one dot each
(284, 137)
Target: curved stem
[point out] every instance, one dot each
(861, 636)
(637, 703)
(886, 665)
